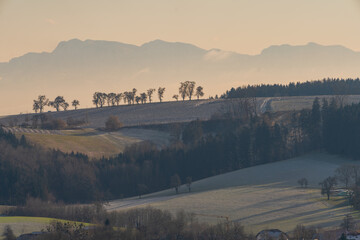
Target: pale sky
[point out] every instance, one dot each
(244, 26)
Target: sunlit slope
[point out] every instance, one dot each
(93, 143)
(265, 196)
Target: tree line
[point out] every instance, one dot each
(187, 89)
(329, 86)
(59, 102)
(147, 223)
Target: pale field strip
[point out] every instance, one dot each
(265, 196)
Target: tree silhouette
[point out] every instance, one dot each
(111, 99)
(150, 93)
(137, 99)
(176, 182)
(161, 93)
(75, 103)
(40, 103)
(190, 89)
(199, 92)
(176, 97)
(118, 98)
(327, 186)
(143, 97)
(182, 90)
(58, 102)
(36, 106)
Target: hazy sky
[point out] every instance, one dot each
(245, 26)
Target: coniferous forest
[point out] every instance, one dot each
(328, 86)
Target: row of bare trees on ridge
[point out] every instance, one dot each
(186, 90)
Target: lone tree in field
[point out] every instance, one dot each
(40, 103)
(75, 103)
(199, 92)
(113, 123)
(188, 183)
(303, 182)
(150, 93)
(161, 92)
(327, 186)
(176, 183)
(176, 97)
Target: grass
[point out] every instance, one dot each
(93, 143)
(21, 225)
(260, 197)
(300, 102)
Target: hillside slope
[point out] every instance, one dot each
(265, 196)
(143, 114)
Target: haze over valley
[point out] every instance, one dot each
(76, 69)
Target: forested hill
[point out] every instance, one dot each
(309, 88)
(206, 148)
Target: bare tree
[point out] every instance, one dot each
(348, 223)
(36, 106)
(40, 103)
(133, 94)
(143, 97)
(176, 97)
(188, 183)
(303, 182)
(58, 102)
(150, 93)
(65, 106)
(190, 89)
(161, 93)
(176, 183)
(75, 103)
(118, 98)
(182, 90)
(344, 174)
(137, 99)
(111, 99)
(327, 186)
(199, 92)
(99, 99)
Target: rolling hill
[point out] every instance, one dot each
(260, 197)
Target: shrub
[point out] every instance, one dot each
(113, 123)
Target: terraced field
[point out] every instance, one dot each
(260, 197)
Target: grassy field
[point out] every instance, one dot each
(21, 225)
(301, 102)
(96, 143)
(260, 197)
